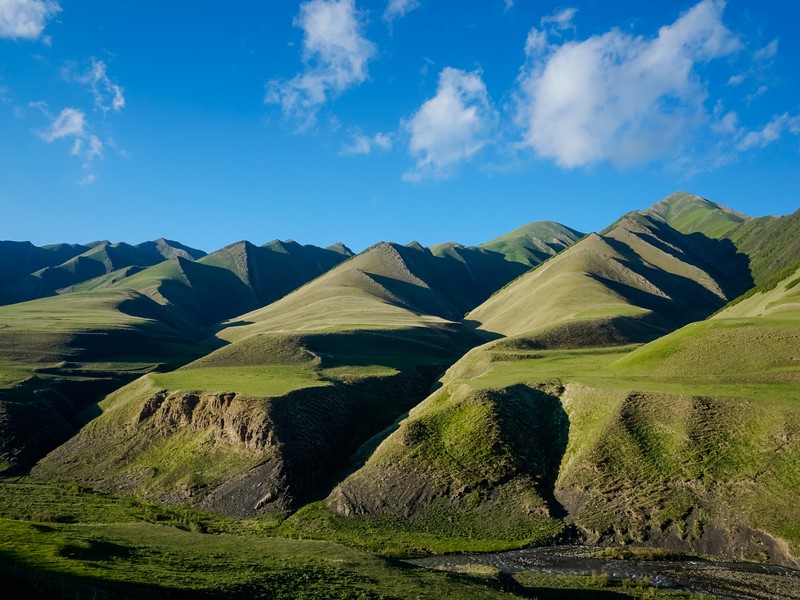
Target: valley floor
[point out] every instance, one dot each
(67, 541)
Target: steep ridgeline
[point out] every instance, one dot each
(61, 354)
(549, 427)
(273, 270)
(268, 421)
(104, 260)
(771, 243)
(635, 282)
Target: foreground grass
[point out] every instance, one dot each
(438, 532)
(55, 538)
(64, 540)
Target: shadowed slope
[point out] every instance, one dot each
(262, 423)
(18, 259)
(273, 270)
(636, 281)
(59, 355)
(101, 259)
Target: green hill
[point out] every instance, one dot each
(273, 270)
(692, 214)
(59, 355)
(115, 327)
(689, 442)
(533, 243)
(265, 422)
(771, 243)
(635, 282)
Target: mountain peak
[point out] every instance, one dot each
(689, 213)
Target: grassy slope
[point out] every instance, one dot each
(690, 442)
(533, 243)
(69, 540)
(123, 548)
(772, 243)
(692, 214)
(638, 280)
(301, 384)
(59, 354)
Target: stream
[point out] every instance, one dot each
(724, 580)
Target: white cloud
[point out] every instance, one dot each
(452, 126)
(70, 122)
(509, 4)
(767, 52)
(399, 8)
(362, 144)
(25, 19)
(107, 94)
(561, 19)
(771, 132)
(618, 97)
(736, 79)
(335, 54)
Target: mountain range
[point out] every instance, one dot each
(637, 385)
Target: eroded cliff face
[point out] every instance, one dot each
(229, 452)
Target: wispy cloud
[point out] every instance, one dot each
(335, 53)
(107, 94)
(561, 19)
(26, 19)
(767, 52)
(770, 133)
(452, 126)
(399, 8)
(71, 124)
(618, 97)
(363, 144)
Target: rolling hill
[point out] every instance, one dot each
(634, 388)
(636, 281)
(62, 354)
(300, 385)
(570, 422)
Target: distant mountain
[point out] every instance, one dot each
(18, 259)
(535, 242)
(273, 270)
(97, 260)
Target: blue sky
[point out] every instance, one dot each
(400, 120)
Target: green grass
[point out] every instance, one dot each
(439, 531)
(689, 214)
(263, 381)
(64, 536)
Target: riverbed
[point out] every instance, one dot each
(724, 580)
